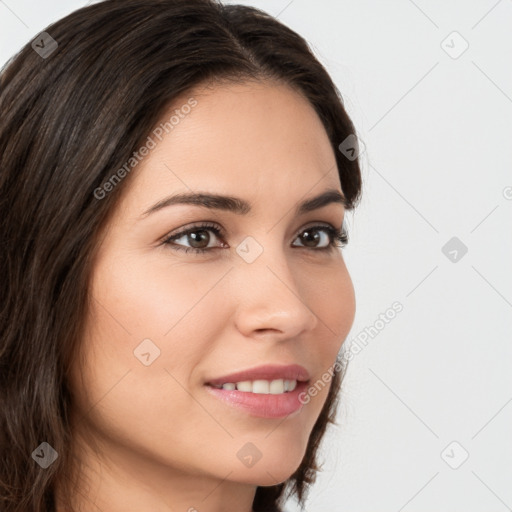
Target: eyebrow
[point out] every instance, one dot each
(241, 206)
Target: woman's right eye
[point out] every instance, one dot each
(203, 229)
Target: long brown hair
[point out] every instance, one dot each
(69, 118)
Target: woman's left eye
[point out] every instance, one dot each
(199, 239)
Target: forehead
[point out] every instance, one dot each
(247, 138)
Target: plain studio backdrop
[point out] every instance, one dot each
(425, 421)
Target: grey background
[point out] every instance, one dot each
(437, 127)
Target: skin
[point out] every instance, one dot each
(164, 443)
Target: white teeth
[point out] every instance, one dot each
(276, 387)
(261, 386)
(292, 384)
(245, 385)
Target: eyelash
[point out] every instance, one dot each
(338, 237)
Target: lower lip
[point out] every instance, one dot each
(262, 405)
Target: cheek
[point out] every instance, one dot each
(344, 307)
(120, 395)
(335, 306)
(151, 306)
(156, 298)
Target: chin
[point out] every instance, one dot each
(267, 474)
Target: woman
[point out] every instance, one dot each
(175, 296)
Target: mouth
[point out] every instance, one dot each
(261, 404)
(267, 391)
(272, 392)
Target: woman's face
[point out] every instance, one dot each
(165, 322)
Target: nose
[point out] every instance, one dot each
(270, 298)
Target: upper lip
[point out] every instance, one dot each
(265, 372)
